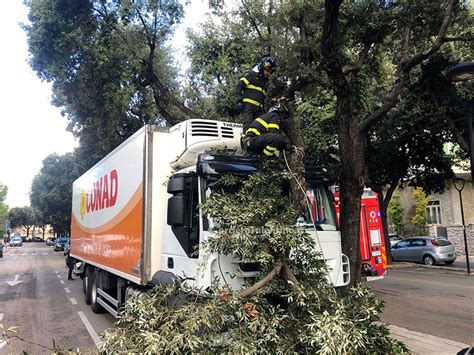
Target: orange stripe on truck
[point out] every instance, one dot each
(117, 243)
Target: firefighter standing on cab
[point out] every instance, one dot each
(251, 90)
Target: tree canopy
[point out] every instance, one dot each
(22, 217)
(360, 88)
(51, 191)
(3, 207)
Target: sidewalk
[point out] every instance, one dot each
(421, 344)
(459, 265)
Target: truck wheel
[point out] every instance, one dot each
(95, 306)
(86, 285)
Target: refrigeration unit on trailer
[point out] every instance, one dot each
(136, 221)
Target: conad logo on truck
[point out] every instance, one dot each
(103, 194)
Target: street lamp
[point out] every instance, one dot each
(464, 72)
(459, 185)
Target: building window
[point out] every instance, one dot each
(433, 212)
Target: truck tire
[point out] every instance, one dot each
(86, 285)
(95, 306)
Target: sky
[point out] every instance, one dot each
(30, 127)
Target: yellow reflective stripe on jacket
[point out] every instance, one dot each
(266, 152)
(245, 80)
(258, 88)
(270, 148)
(262, 122)
(273, 125)
(253, 102)
(254, 130)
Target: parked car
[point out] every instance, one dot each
(37, 240)
(24, 239)
(394, 239)
(1, 248)
(16, 242)
(50, 241)
(60, 243)
(428, 250)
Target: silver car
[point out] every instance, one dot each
(428, 250)
(16, 242)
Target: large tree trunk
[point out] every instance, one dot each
(296, 164)
(384, 201)
(351, 143)
(351, 150)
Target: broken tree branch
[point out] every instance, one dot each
(258, 285)
(289, 275)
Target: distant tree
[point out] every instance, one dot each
(51, 191)
(22, 217)
(396, 212)
(40, 221)
(3, 208)
(420, 203)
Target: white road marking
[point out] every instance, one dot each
(73, 301)
(58, 275)
(67, 290)
(24, 254)
(56, 272)
(3, 342)
(89, 328)
(62, 282)
(14, 282)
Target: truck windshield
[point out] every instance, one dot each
(320, 199)
(322, 212)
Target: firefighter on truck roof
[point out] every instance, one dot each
(251, 90)
(263, 134)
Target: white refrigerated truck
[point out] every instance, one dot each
(136, 222)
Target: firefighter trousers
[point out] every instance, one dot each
(265, 144)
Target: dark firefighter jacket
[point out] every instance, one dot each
(251, 89)
(263, 135)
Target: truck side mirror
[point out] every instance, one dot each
(178, 204)
(176, 183)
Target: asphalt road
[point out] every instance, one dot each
(36, 296)
(430, 301)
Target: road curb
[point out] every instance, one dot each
(401, 265)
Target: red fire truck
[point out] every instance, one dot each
(372, 244)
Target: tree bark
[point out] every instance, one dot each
(258, 285)
(296, 165)
(351, 151)
(384, 202)
(351, 144)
